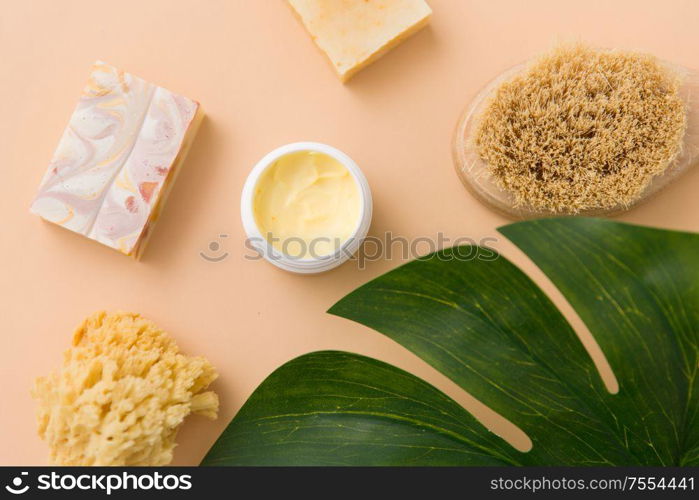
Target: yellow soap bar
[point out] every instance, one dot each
(354, 33)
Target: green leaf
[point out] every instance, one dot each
(637, 290)
(337, 408)
(489, 328)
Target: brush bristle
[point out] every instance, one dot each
(582, 129)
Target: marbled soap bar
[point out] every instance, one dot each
(117, 159)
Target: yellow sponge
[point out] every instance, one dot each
(121, 394)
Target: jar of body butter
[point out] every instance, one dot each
(306, 207)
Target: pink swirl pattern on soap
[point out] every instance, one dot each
(93, 148)
(115, 159)
(131, 199)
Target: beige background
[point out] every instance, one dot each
(263, 84)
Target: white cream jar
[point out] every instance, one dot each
(306, 207)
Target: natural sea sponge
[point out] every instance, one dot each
(582, 129)
(122, 392)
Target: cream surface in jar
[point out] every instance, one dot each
(307, 204)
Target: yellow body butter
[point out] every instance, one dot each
(307, 204)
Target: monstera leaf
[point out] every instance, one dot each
(488, 327)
